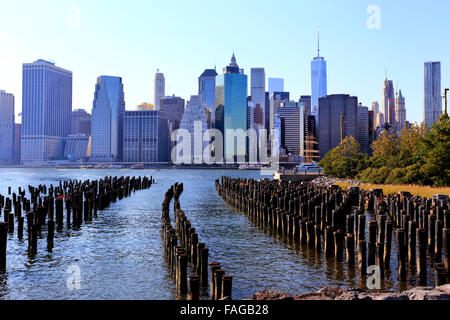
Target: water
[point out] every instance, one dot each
(120, 254)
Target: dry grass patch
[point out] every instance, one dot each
(394, 189)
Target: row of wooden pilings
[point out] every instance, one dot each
(44, 208)
(335, 221)
(184, 251)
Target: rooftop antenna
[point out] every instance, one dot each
(318, 44)
(385, 71)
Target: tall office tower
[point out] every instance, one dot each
(17, 142)
(258, 92)
(107, 119)
(195, 121)
(6, 127)
(318, 84)
(371, 129)
(173, 107)
(275, 85)
(362, 134)
(433, 98)
(275, 100)
(256, 124)
(392, 119)
(294, 115)
(46, 111)
(207, 88)
(307, 101)
(388, 94)
(376, 110)
(159, 89)
(267, 113)
(379, 120)
(231, 106)
(81, 122)
(145, 137)
(400, 111)
(337, 120)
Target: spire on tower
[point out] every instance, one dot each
(318, 44)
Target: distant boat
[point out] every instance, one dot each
(139, 166)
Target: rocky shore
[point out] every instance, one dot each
(327, 181)
(334, 293)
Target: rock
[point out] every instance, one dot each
(425, 293)
(331, 292)
(271, 295)
(389, 296)
(354, 295)
(444, 288)
(312, 296)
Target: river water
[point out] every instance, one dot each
(120, 255)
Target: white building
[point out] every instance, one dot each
(400, 111)
(159, 89)
(46, 111)
(6, 126)
(195, 121)
(318, 85)
(433, 95)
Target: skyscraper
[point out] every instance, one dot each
(275, 85)
(376, 109)
(159, 89)
(433, 98)
(400, 111)
(318, 84)
(194, 115)
(275, 100)
(231, 97)
(207, 89)
(145, 137)
(6, 127)
(173, 108)
(107, 119)
(258, 92)
(293, 113)
(81, 122)
(46, 111)
(388, 94)
(362, 134)
(332, 110)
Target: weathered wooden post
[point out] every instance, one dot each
(194, 288)
(362, 258)
(227, 286)
(350, 249)
(50, 234)
(3, 245)
(213, 266)
(446, 246)
(218, 276)
(401, 254)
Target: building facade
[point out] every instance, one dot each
(337, 120)
(146, 137)
(318, 84)
(258, 93)
(81, 122)
(207, 89)
(6, 127)
(432, 94)
(400, 111)
(388, 100)
(363, 128)
(195, 121)
(231, 97)
(46, 111)
(107, 120)
(78, 147)
(293, 115)
(173, 107)
(159, 89)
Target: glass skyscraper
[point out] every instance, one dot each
(6, 127)
(231, 95)
(318, 84)
(207, 89)
(432, 95)
(107, 119)
(46, 111)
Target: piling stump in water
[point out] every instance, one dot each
(227, 286)
(194, 288)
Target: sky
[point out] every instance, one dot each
(134, 38)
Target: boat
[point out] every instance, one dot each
(138, 166)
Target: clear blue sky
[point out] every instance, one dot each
(133, 38)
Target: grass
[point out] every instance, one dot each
(394, 189)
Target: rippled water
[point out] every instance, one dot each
(120, 253)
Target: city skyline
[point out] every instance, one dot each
(357, 56)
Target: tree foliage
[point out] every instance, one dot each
(416, 155)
